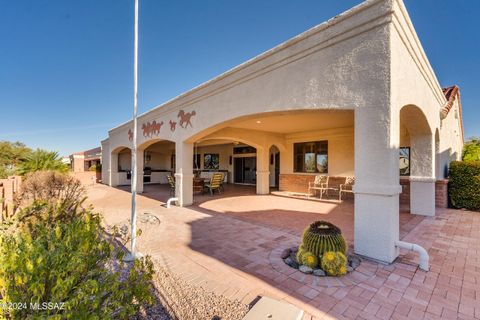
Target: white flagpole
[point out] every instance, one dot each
(133, 253)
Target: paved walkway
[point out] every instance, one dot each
(230, 245)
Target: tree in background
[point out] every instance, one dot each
(11, 155)
(40, 160)
(471, 150)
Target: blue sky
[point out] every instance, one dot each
(66, 65)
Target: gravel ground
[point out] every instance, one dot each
(177, 299)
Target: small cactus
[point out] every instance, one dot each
(300, 254)
(309, 260)
(334, 263)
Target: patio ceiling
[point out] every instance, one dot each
(287, 123)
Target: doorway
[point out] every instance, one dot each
(277, 170)
(245, 170)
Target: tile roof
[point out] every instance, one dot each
(451, 94)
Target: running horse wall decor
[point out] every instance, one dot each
(151, 129)
(185, 118)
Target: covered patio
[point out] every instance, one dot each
(286, 213)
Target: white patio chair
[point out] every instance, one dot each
(319, 184)
(346, 187)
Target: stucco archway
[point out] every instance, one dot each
(418, 136)
(119, 166)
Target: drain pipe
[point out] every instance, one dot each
(169, 201)
(418, 249)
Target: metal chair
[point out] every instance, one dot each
(347, 187)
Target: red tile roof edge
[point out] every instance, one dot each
(451, 93)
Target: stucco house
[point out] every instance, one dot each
(347, 95)
(84, 160)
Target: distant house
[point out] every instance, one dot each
(86, 160)
(353, 96)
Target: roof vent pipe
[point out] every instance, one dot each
(420, 250)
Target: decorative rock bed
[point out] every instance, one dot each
(289, 256)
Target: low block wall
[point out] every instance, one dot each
(86, 177)
(299, 183)
(8, 189)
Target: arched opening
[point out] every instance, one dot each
(249, 148)
(274, 167)
(156, 161)
(120, 166)
(417, 162)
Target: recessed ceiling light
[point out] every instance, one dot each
(258, 121)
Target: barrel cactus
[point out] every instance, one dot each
(334, 263)
(309, 260)
(300, 253)
(322, 236)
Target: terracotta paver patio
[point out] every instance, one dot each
(231, 243)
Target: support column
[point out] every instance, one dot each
(184, 173)
(140, 158)
(377, 185)
(263, 171)
(422, 179)
(113, 170)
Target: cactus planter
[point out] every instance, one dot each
(321, 237)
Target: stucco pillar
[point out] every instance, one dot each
(140, 159)
(263, 171)
(377, 185)
(105, 162)
(422, 178)
(184, 173)
(113, 170)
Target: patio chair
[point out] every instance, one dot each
(215, 183)
(347, 187)
(319, 184)
(171, 183)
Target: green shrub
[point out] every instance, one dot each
(464, 184)
(334, 263)
(60, 253)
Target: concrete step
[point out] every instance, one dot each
(270, 309)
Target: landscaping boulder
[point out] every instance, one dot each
(319, 273)
(305, 269)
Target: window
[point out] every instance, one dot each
(211, 161)
(404, 161)
(311, 157)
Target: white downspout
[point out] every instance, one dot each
(424, 257)
(169, 201)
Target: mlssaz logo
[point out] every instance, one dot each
(47, 305)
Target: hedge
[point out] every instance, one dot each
(464, 184)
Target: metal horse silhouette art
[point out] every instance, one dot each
(150, 129)
(173, 124)
(185, 118)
